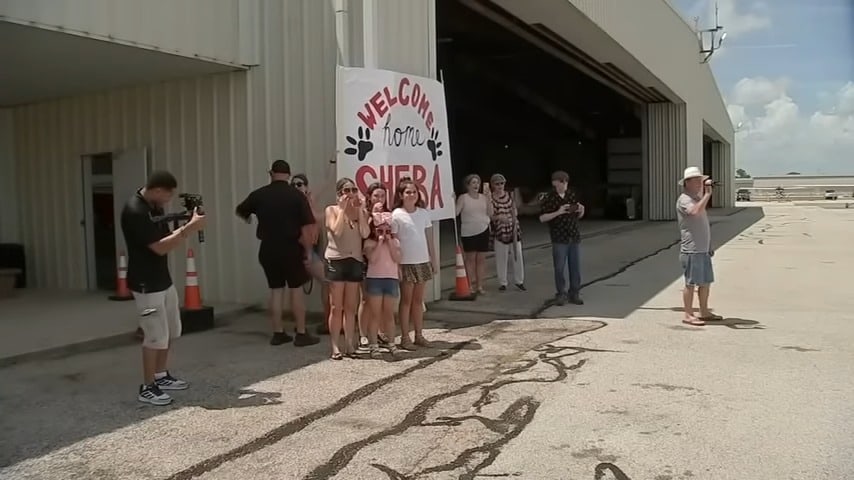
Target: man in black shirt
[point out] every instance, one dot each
(148, 242)
(286, 230)
(561, 210)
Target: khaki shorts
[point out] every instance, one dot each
(160, 317)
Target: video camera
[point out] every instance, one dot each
(191, 202)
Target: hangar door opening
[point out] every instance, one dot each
(516, 109)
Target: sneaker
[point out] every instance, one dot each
(363, 350)
(560, 300)
(153, 395)
(384, 340)
(363, 341)
(171, 383)
(521, 286)
(305, 339)
(576, 300)
(375, 352)
(502, 288)
(280, 338)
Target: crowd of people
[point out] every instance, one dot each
(371, 253)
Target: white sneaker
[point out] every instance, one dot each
(171, 383)
(153, 395)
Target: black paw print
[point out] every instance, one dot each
(361, 147)
(433, 145)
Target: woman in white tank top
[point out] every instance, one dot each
(475, 212)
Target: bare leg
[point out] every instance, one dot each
(364, 313)
(403, 313)
(162, 360)
(469, 258)
(480, 265)
(336, 315)
(149, 364)
(298, 308)
(375, 304)
(703, 294)
(688, 305)
(388, 317)
(351, 305)
(276, 301)
(416, 312)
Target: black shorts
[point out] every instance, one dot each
(283, 265)
(476, 243)
(345, 270)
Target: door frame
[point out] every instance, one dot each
(87, 222)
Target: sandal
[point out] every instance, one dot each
(693, 321)
(337, 356)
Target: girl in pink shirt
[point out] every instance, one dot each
(382, 250)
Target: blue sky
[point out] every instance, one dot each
(786, 70)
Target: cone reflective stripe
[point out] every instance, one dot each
(192, 293)
(122, 291)
(462, 290)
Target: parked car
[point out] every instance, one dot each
(830, 195)
(742, 195)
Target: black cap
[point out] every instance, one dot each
(280, 166)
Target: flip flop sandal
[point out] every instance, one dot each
(337, 356)
(695, 322)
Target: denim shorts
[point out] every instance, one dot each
(382, 287)
(697, 268)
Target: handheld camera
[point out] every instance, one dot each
(190, 202)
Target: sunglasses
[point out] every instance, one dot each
(349, 190)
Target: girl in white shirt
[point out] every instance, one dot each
(475, 212)
(412, 225)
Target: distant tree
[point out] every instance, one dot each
(741, 173)
(793, 173)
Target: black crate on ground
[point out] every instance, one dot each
(197, 320)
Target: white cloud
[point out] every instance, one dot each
(776, 137)
(738, 17)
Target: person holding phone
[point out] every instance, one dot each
(346, 228)
(561, 210)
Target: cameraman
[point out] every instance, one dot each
(695, 252)
(148, 243)
(286, 228)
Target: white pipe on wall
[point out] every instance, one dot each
(342, 30)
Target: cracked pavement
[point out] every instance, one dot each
(616, 389)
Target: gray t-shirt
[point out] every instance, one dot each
(695, 230)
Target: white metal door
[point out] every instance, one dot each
(130, 171)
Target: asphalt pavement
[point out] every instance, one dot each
(616, 389)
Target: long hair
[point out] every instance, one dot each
(404, 183)
(339, 185)
(371, 189)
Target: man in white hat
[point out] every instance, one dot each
(695, 252)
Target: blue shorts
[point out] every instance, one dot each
(697, 268)
(382, 287)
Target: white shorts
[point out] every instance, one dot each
(159, 317)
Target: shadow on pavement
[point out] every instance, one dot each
(229, 367)
(605, 260)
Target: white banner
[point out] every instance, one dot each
(391, 125)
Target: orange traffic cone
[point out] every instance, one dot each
(192, 293)
(462, 292)
(122, 291)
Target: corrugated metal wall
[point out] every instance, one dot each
(204, 28)
(667, 157)
(218, 134)
(724, 172)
